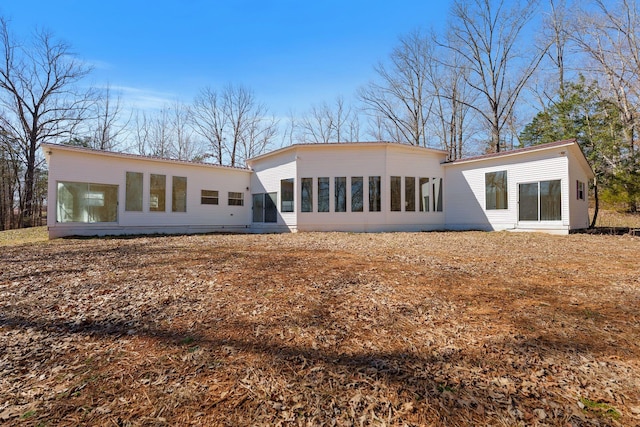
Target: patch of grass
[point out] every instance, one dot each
(28, 414)
(599, 408)
(187, 340)
(24, 235)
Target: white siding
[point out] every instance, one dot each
(266, 179)
(366, 160)
(466, 192)
(578, 209)
(81, 166)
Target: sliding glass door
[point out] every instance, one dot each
(540, 201)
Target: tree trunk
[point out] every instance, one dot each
(597, 203)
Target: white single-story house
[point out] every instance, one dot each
(359, 187)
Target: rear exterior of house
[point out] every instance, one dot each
(101, 193)
(358, 187)
(539, 188)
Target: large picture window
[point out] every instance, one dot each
(179, 194)
(307, 194)
(323, 194)
(540, 201)
(396, 194)
(86, 202)
(133, 200)
(340, 190)
(495, 188)
(286, 195)
(157, 193)
(356, 194)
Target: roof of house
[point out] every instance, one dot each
(569, 143)
(75, 148)
(345, 145)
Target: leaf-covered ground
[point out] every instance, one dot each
(322, 329)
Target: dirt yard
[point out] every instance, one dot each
(309, 329)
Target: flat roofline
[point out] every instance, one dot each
(73, 148)
(345, 145)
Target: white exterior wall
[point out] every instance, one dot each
(99, 168)
(266, 178)
(578, 209)
(465, 197)
(348, 160)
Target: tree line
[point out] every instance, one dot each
(500, 75)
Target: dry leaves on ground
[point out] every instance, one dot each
(322, 329)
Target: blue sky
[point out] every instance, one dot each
(291, 53)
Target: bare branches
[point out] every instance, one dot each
(400, 98)
(40, 99)
(234, 123)
(486, 35)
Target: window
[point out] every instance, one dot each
(409, 194)
(396, 194)
(323, 194)
(374, 194)
(307, 194)
(86, 202)
(356, 194)
(133, 198)
(286, 195)
(236, 199)
(423, 186)
(580, 190)
(208, 197)
(157, 193)
(437, 194)
(540, 201)
(179, 194)
(341, 193)
(264, 207)
(495, 188)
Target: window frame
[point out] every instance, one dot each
(287, 201)
(211, 199)
(237, 201)
(395, 193)
(179, 194)
(306, 195)
(375, 193)
(496, 190)
(357, 194)
(160, 192)
(129, 200)
(340, 194)
(324, 194)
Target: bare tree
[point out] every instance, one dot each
(610, 36)
(210, 121)
(234, 123)
(399, 100)
(185, 146)
(448, 75)
(40, 99)
(330, 123)
(108, 126)
(142, 132)
(486, 34)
